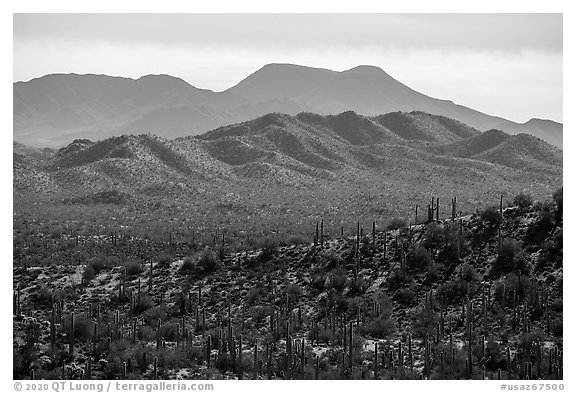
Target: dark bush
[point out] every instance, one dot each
(434, 236)
(133, 268)
(488, 222)
(207, 260)
(419, 259)
(405, 297)
(557, 197)
(188, 266)
(424, 322)
(338, 280)
(294, 291)
(142, 304)
(357, 287)
(397, 223)
(539, 229)
(511, 259)
(523, 201)
(269, 248)
(452, 291)
(397, 279)
(468, 273)
(164, 261)
(82, 327)
(297, 239)
(100, 263)
(88, 274)
(380, 327)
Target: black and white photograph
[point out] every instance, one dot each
(287, 196)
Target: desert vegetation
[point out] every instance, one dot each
(421, 296)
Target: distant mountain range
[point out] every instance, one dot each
(342, 166)
(55, 109)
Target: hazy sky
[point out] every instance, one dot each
(501, 64)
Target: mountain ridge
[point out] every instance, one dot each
(55, 109)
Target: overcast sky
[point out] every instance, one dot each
(508, 65)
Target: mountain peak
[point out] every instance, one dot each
(366, 69)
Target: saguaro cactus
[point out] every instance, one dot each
(71, 335)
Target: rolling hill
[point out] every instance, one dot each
(341, 166)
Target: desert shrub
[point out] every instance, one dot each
(557, 197)
(397, 223)
(188, 266)
(100, 263)
(511, 259)
(424, 322)
(357, 287)
(452, 291)
(337, 280)
(557, 305)
(88, 274)
(269, 248)
(164, 261)
(43, 296)
(551, 254)
(133, 268)
(522, 284)
(294, 291)
(207, 260)
(32, 333)
(468, 273)
(397, 279)
(259, 315)
(433, 274)
(488, 222)
(495, 355)
(168, 331)
(329, 260)
(523, 201)
(539, 229)
(82, 327)
(151, 315)
(338, 302)
(419, 259)
(405, 297)
(380, 327)
(434, 236)
(253, 295)
(526, 341)
(142, 304)
(297, 239)
(557, 328)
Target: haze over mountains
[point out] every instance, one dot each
(53, 110)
